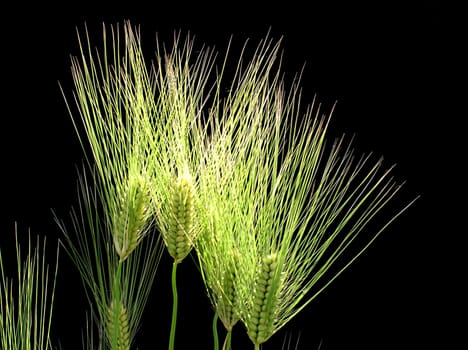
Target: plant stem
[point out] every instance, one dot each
(116, 295)
(215, 331)
(227, 340)
(256, 346)
(174, 306)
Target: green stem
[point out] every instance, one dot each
(116, 295)
(227, 340)
(215, 331)
(256, 346)
(174, 306)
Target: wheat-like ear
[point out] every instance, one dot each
(115, 100)
(180, 233)
(132, 215)
(114, 92)
(91, 247)
(228, 297)
(226, 244)
(267, 288)
(118, 325)
(177, 153)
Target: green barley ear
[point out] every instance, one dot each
(116, 111)
(180, 234)
(132, 215)
(260, 323)
(178, 231)
(114, 92)
(228, 299)
(90, 245)
(117, 325)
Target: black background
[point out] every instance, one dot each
(387, 65)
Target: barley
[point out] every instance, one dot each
(260, 325)
(180, 230)
(118, 326)
(131, 216)
(228, 300)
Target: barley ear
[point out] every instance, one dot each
(179, 237)
(117, 325)
(131, 215)
(260, 323)
(228, 301)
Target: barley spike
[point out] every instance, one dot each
(180, 231)
(118, 325)
(260, 325)
(132, 216)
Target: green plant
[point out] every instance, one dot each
(114, 97)
(141, 125)
(177, 152)
(26, 302)
(233, 168)
(283, 207)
